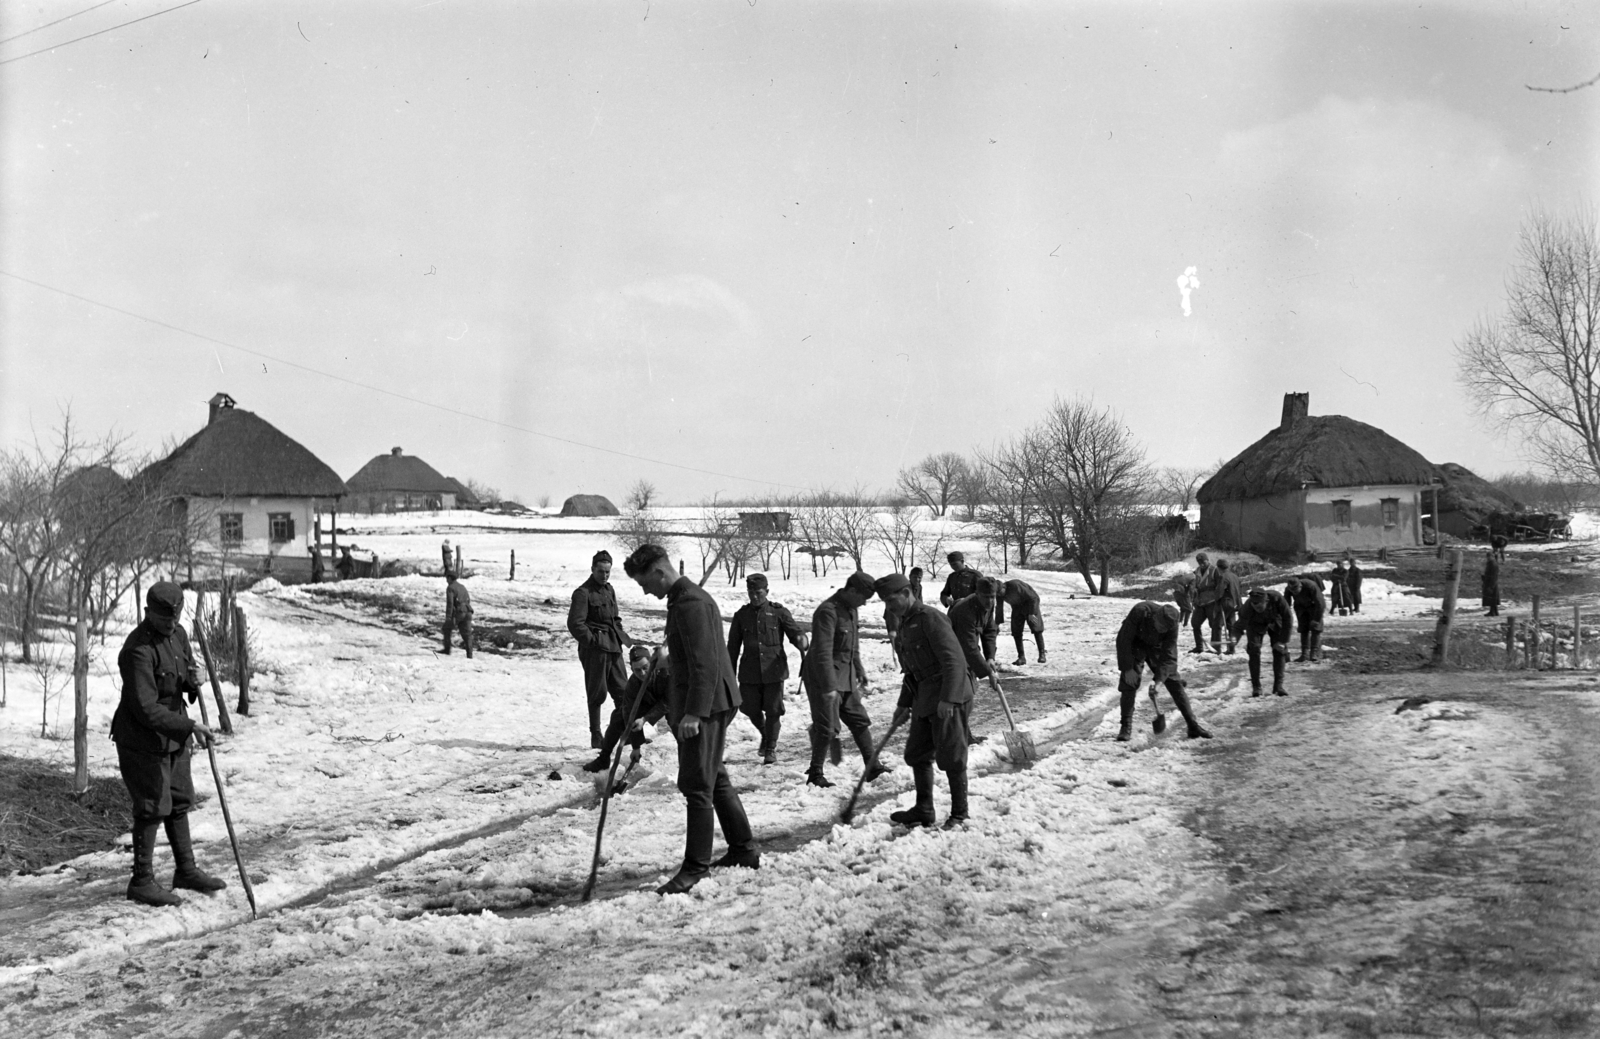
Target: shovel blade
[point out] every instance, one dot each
(1019, 747)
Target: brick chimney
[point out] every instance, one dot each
(1296, 406)
(219, 403)
(395, 451)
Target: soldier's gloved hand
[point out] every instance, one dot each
(946, 710)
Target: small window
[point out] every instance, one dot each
(1341, 514)
(1391, 512)
(232, 527)
(280, 527)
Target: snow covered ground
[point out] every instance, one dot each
(383, 792)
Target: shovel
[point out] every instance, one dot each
(1019, 744)
(611, 778)
(1159, 723)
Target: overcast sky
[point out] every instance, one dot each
(797, 242)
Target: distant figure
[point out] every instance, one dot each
(345, 566)
(758, 629)
(1024, 603)
(1183, 595)
(1265, 614)
(1305, 595)
(915, 577)
(1232, 598)
(1208, 587)
(1339, 589)
(457, 613)
(1352, 584)
(1497, 544)
(596, 625)
(317, 570)
(1491, 584)
(962, 582)
(1188, 281)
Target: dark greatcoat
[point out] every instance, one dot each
(967, 619)
(157, 670)
(593, 618)
(759, 632)
(959, 585)
(833, 661)
(1274, 619)
(1491, 581)
(934, 664)
(1148, 637)
(1309, 605)
(1352, 584)
(703, 682)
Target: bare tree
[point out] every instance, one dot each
(1175, 485)
(847, 520)
(972, 489)
(896, 534)
(1092, 484)
(1010, 513)
(482, 492)
(641, 495)
(1534, 368)
(934, 480)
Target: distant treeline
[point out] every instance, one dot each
(1540, 493)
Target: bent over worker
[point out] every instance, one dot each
(652, 704)
(1149, 638)
(595, 623)
(758, 629)
(1305, 594)
(152, 729)
(834, 678)
(703, 700)
(1024, 603)
(1265, 614)
(935, 698)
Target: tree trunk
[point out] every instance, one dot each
(241, 633)
(80, 700)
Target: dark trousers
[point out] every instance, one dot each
(943, 742)
(761, 703)
(604, 674)
(828, 710)
(461, 622)
(709, 794)
(1212, 612)
(1229, 612)
(1280, 656)
(158, 784)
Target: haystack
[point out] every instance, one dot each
(588, 505)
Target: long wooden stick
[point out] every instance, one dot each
(222, 794)
(611, 777)
(850, 806)
(211, 670)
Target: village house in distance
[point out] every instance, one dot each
(249, 493)
(398, 482)
(1317, 485)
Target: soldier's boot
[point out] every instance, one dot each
(1021, 657)
(1278, 660)
(871, 767)
(144, 887)
(1129, 698)
(597, 738)
(1231, 645)
(1316, 647)
(1199, 644)
(1180, 697)
(1255, 676)
(836, 751)
(466, 643)
(958, 800)
(921, 813)
(1305, 647)
(1216, 645)
(1038, 638)
(774, 726)
(819, 754)
(187, 874)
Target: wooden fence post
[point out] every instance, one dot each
(458, 560)
(1452, 584)
(242, 655)
(1533, 644)
(1577, 636)
(513, 564)
(1511, 641)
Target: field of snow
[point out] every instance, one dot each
(371, 754)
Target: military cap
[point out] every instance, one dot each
(639, 652)
(860, 581)
(756, 580)
(165, 598)
(887, 586)
(1167, 617)
(601, 556)
(955, 557)
(988, 585)
(1258, 592)
(1222, 564)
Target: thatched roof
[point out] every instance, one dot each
(588, 505)
(239, 454)
(1466, 491)
(463, 495)
(396, 472)
(1317, 451)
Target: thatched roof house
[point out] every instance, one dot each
(398, 482)
(1316, 484)
(588, 505)
(250, 490)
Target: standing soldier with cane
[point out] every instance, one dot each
(595, 623)
(152, 728)
(704, 698)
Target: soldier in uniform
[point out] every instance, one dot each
(1338, 590)
(1149, 638)
(152, 729)
(916, 582)
(1491, 584)
(834, 678)
(346, 565)
(1183, 595)
(1207, 602)
(595, 623)
(457, 612)
(759, 628)
(1024, 603)
(1232, 597)
(1352, 584)
(961, 582)
(1305, 594)
(935, 697)
(317, 568)
(1265, 613)
(651, 709)
(703, 699)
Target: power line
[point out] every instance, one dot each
(58, 21)
(389, 393)
(100, 32)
